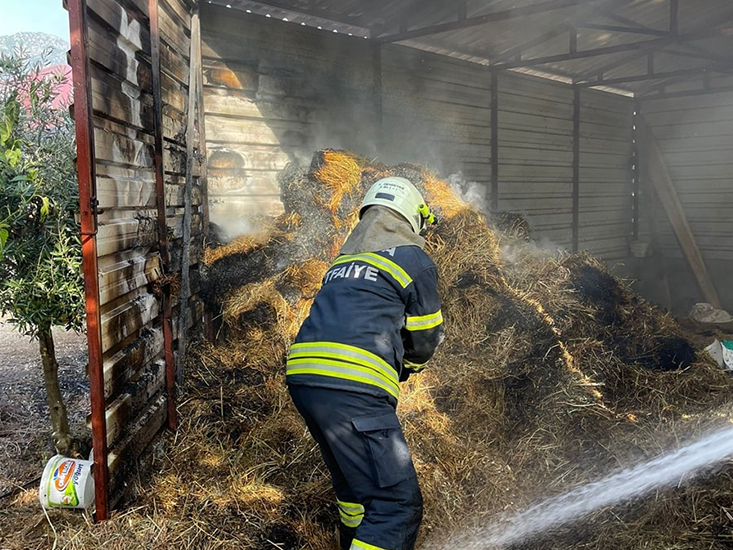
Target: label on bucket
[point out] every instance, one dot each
(68, 483)
(64, 482)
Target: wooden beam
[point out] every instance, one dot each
(636, 55)
(392, 17)
(654, 86)
(655, 168)
(682, 73)
(608, 13)
(573, 40)
(513, 13)
(674, 10)
(600, 71)
(581, 15)
(630, 30)
(705, 56)
(524, 46)
(461, 10)
(326, 15)
(194, 84)
(642, 46)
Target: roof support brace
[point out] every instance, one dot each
(616, 28)
(642, 46)
(312, 12)
(654, 76)
(655, 170)
(513, 13)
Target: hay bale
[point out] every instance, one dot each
(543, 383)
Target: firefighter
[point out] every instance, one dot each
(375, 321)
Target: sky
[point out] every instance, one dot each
(34, 16)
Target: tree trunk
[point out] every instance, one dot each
(59, 418)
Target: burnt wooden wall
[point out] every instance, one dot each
(276, 92)
(695, 137)
(606, 186)
(436, 111)
(133, 266)
(535, 134)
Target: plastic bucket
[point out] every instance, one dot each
(716, 352)
(67, 483)
(728, 353)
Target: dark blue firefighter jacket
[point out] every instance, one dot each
(375, 320)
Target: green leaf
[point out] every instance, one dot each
(3, 238)
(13, 157)
(45, 207)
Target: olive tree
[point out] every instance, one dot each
(40, 249)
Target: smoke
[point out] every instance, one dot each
(471, 192)
(517, 253)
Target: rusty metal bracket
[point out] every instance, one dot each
(94, 212)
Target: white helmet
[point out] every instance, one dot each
(402, 196)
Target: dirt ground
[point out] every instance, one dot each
(25, 443)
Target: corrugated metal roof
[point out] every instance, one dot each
(547, 32)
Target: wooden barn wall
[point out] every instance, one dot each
(436, 111)
(536, 158)
(275, 92)
(131, 269)
(695, 137)
(535, 134)
(605, 190)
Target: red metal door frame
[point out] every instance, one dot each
(88, 207)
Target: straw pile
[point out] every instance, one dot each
(553, 373)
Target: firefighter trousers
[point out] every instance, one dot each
(362, 444)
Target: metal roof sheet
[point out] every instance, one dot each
(571, 40)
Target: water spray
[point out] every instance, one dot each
(667, 470)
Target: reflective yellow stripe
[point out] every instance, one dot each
(424, 322)
(351, 508)
(351, 513)
(380, 262)
(415, 367)
(351, 522)
(356, 544)
(344, 352)
(337, 369)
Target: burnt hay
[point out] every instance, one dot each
(553, 373)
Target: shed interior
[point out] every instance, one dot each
(607, 124)
(571, 86)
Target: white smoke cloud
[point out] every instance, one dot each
(471, 192)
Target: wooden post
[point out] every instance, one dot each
(576, 168)
(494, 140)
(170, 364)
(635, 173)
(193, 107)
(656, 170)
